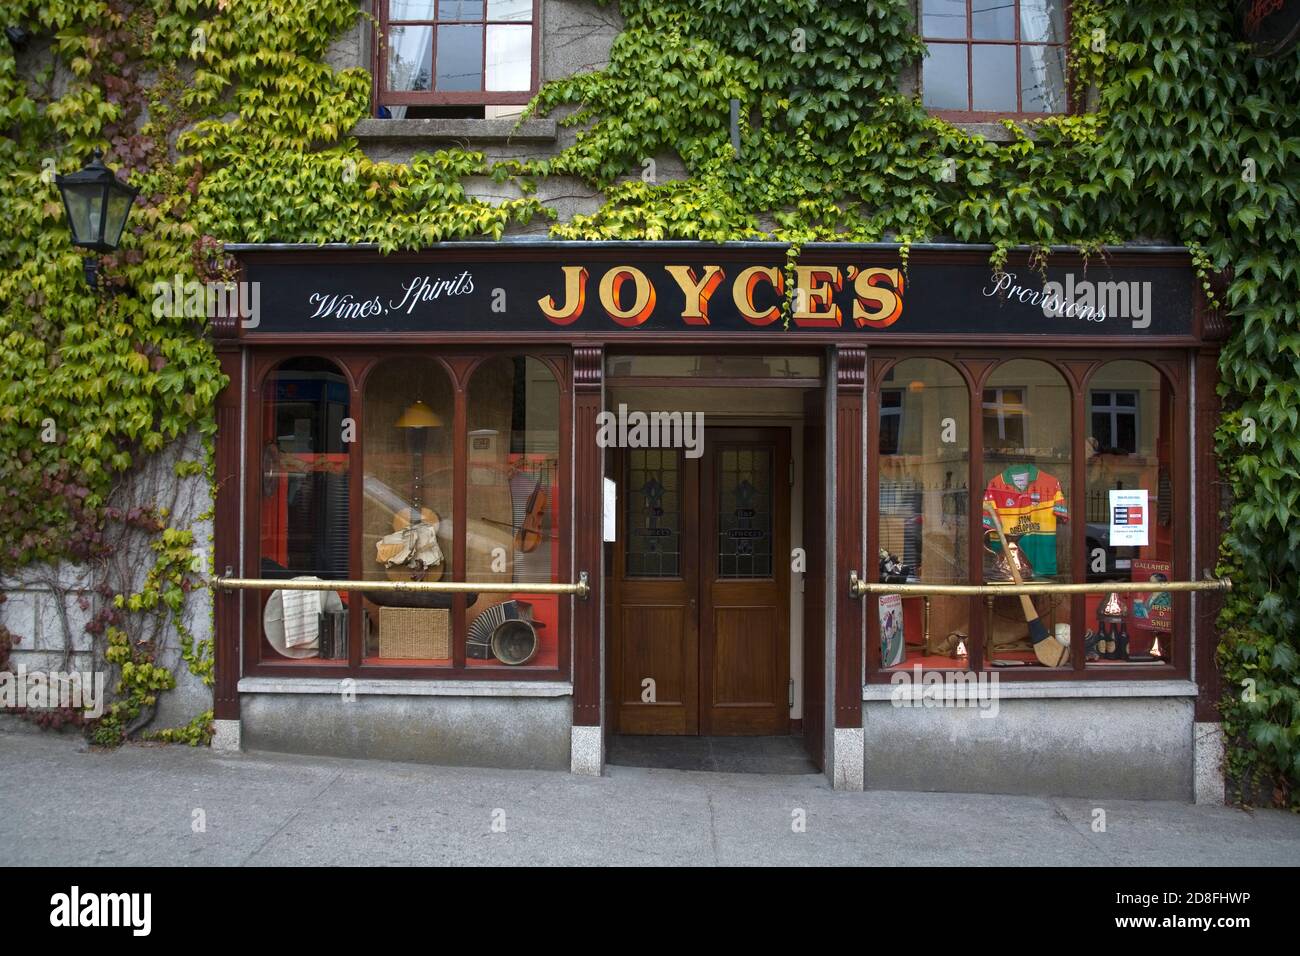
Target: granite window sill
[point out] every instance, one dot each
(993, 132)
(455, 130)
(1047, 689)
(394, 687)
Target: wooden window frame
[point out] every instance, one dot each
(356, 363)
(972, 115)
(482, 97)
(1078, 369)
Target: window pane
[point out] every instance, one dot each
(460, 58)
(943, 18)
(1131, 628)
(1042, 21)
(1042, 79)
(304, 509)
(410, 58)
(406, 510)
(654, 506)
(410, 10)
(993, 19)
(514, 500)
(1101, 430)
(460, 9)
(943, 77)
(993, 76)
(923, 513)
(509, 58)
(510, 9)
(1027, 482)
(1126, 432)
(744, 482)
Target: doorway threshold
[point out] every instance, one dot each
(770, 755)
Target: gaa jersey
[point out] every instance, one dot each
(1029, 503)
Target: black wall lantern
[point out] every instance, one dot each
(97, 205)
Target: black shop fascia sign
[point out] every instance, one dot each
(696, 292)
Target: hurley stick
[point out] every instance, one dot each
(1049, 651)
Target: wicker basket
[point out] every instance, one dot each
(412, 632)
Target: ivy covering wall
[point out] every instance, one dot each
(226, 117)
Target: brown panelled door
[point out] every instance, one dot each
(701, 641)
(655, 640)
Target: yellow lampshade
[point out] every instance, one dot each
(418, 415)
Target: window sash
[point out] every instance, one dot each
(969, 43)
(384, 96)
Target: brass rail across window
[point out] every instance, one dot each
(227, 583)
(859, 588)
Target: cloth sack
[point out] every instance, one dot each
(414, 547)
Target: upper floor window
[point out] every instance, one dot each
(994, 57)
(457, 57)
(1115, 421)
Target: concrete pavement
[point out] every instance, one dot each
(62, 804)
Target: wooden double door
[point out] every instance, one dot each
(700, 618)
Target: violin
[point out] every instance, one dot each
(530, 533)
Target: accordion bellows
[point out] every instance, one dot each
(478, 643)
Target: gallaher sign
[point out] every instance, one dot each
(680, 294)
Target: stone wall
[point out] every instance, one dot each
(48, 607)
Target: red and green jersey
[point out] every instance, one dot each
(1029, 503)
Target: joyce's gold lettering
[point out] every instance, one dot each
(883, 289)
(698, 291)
(743, 293)
(814, 297)
(575, 297)
(642, 304)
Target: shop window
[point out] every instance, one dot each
(1026, 473)
(406, 510)
(514, 502)
(1121, 515)
(447, 57)
(428, 451)
(304, 509)
(1129, 514)
(923, 512)
(993, 58)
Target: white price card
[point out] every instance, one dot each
(608, 513)
(1130, 517)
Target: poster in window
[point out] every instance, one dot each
(1151, 611)
(892, 648)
